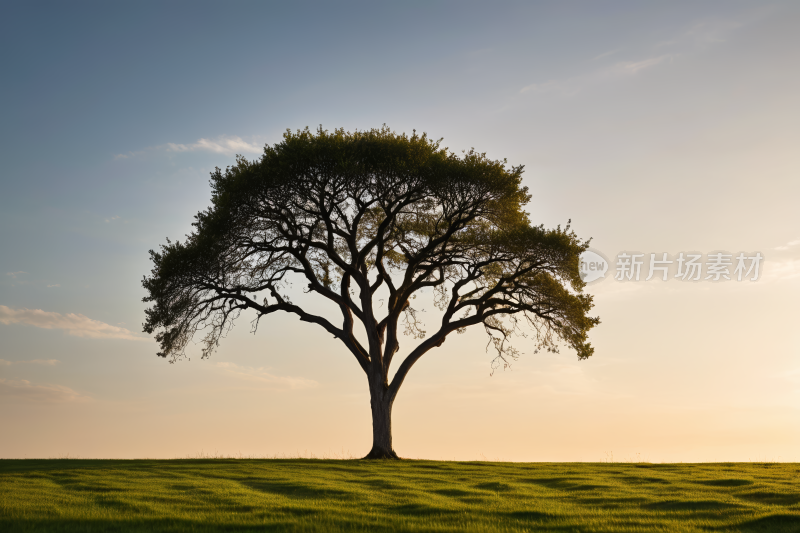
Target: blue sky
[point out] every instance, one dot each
(655, 127)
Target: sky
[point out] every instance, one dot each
(654, 127)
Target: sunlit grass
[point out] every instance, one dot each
(322, 495)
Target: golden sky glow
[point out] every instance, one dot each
(654, 128)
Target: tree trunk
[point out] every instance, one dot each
(381, 422)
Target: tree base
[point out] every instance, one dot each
(378, 453)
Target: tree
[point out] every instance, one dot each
(363, 216)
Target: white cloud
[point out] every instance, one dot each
(572, 86)
(780, 270)
(224, 144)
(44, 362)
(788, 245)
(696, 37)
(129, 154)
(221, 145)
(259, 375)
(54, 285)
(15, 274)
(74, 324)
(25, 390)
(606, 54)
(704, 33)
(635, 66)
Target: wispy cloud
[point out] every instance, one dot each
(606, 54)
(260, 375)
(635, 66)
(15, 274)
(620, 70)
(25, 390)
(224, 144)
(788, 245)
(692, 38)
(74, 324)
(130, 154)
(43, 362)
(781, 270)
(221, 145)
(706, 32)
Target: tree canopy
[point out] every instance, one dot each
(357, 215)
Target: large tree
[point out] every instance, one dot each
(365, 216)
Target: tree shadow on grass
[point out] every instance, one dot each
(432, 467)
(85, 485)
(774, 498)
(135, 525)
(637, 480)
(475, 500)
(299, 512)
(120, 506)
(420, 509)
(777, 523)
(564, 483)
(690, 505)
(612, 503)
(93, 488)
(494, 486)
(534, 516)
(659, 466)
(454, 492)
(724, 482)
(377, 483)
(295, 490)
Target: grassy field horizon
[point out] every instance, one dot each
(410, 495)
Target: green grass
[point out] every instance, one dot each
(316, 495)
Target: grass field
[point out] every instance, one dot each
(317, 495)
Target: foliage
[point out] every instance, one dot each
(354, 214)
(338, 496)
